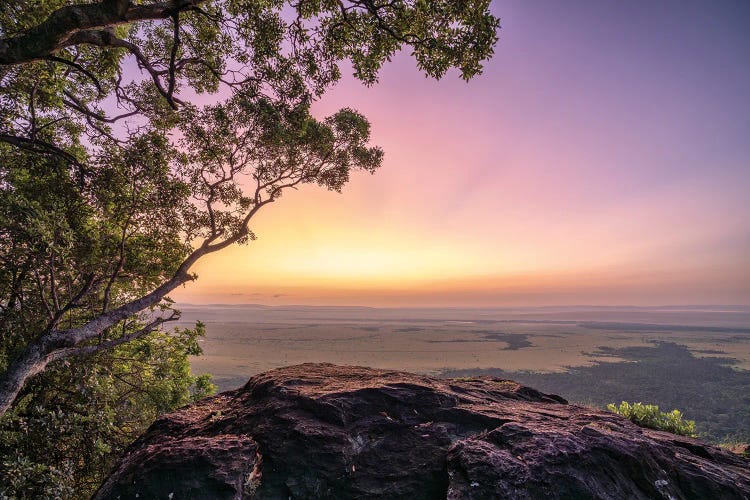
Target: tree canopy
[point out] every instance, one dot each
(115, 179)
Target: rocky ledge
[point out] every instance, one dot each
(325, 431)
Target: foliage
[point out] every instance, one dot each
(71, 249)
(61, 236)
(113, 184)
(650, 416)
(71, 424)
(61, 62)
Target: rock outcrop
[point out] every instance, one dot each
(325, 431)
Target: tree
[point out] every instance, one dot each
(89, 269)
(72, 423)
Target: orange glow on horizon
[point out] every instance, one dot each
(550, 179)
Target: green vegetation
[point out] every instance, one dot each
(69, 252)
(73, 422)
(113, 185)
(149, 182)
(650, 416)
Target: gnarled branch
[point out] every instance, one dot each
(59, 30)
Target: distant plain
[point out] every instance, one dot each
(243, 340)
(592, 355)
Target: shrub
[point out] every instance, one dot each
(650, 416)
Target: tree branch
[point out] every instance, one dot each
(80, 69)
(107, 38)
(58, 30)
(92, 349)
(38, 146)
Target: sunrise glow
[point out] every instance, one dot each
(601, 158)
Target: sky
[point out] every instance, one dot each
(603, 157)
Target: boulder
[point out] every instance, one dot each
(326, 431)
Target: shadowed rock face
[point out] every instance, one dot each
(325, 431)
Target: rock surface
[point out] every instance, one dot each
(325, 431)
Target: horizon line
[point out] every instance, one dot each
(576, 306)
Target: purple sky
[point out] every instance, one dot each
(603, 157)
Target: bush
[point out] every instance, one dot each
(650, 416)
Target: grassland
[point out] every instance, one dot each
(695, 359)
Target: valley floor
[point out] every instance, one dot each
(695, 359)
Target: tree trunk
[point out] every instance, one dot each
(61, 344)
(31, 362)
